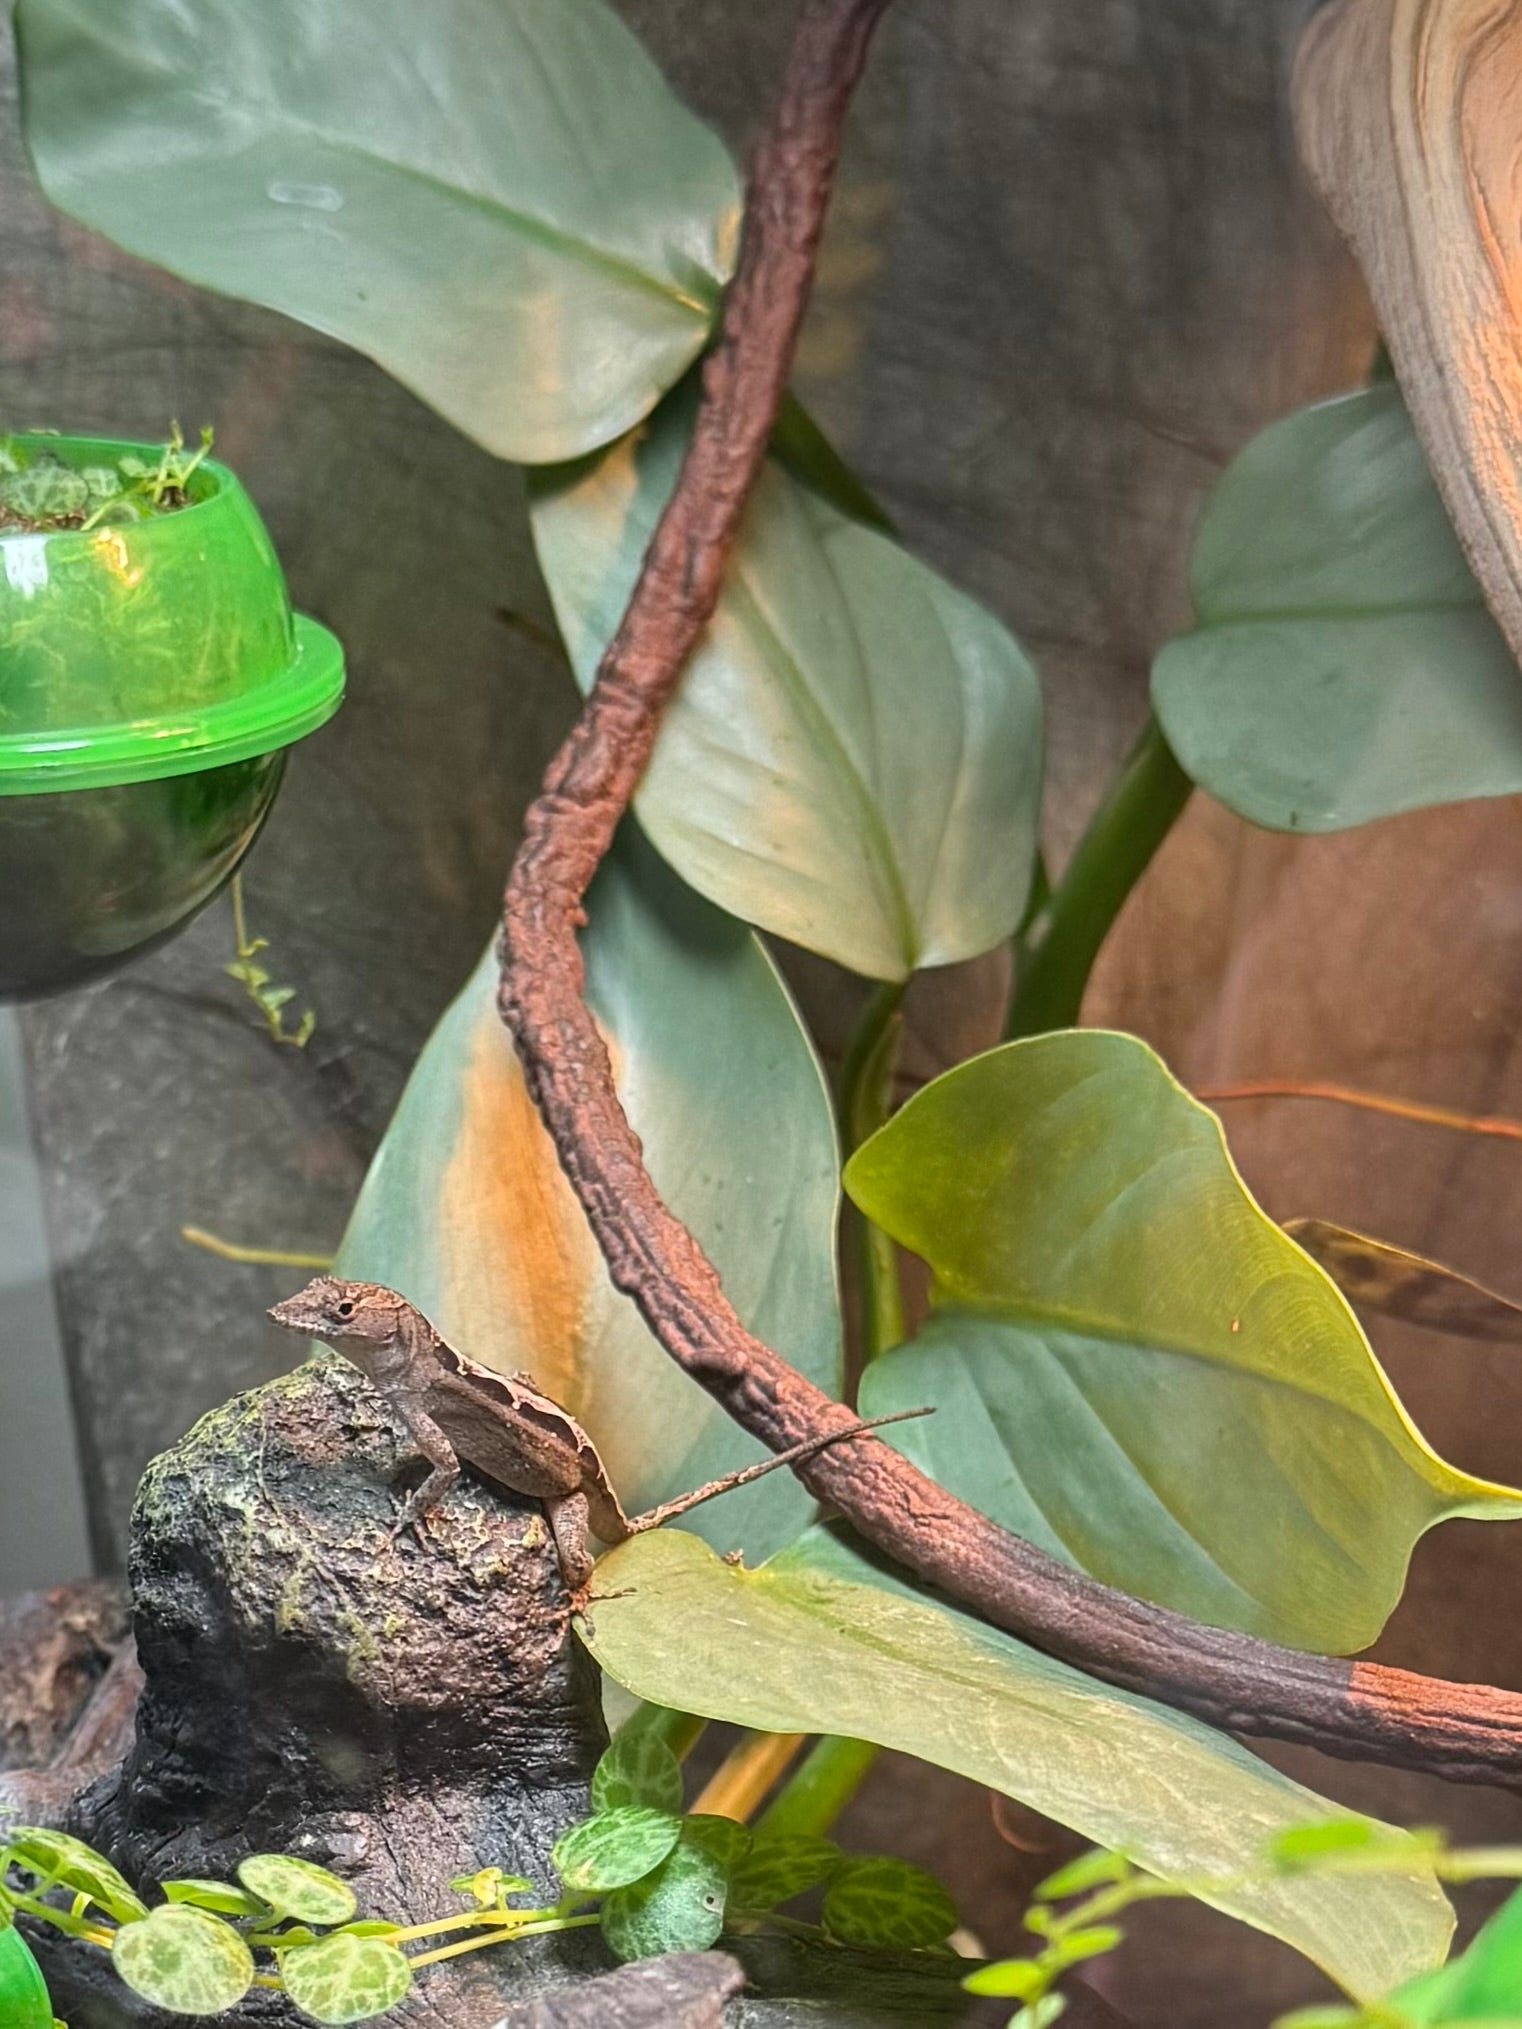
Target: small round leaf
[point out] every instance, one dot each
(726, 1839)
(1014, 1979)
(345, 1978)
(183, 1960)
(297, 1888)
(489, 1887)
(1302, 1843)
(678, 1908)
(1095, 1869)
(775, 1870)
(614, 1848)
(888, 1902)
(1075, 1946)
(221, 1896)
(55, 1857)
(638, 1770)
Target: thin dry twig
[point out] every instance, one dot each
(1369, 1102)
(1465, 1732)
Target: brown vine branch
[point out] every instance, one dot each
(1466, 1732)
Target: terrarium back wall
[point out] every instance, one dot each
(1071, 268)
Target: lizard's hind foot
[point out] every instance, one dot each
(583, 1599)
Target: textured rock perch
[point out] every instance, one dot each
(399, 1715)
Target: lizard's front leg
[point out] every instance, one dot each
(429, 1442)
(570, 1525)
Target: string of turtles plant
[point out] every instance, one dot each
(1100, 1886)
(653, 1879)
(41, 495)
(269, 997)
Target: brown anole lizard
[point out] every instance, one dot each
(503, 1425)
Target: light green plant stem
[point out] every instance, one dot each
(240, 927)
(61, 1919)
(834, 1769)
(679, 1730)
(463, 1919)
(1135, 817)
(258, 1257)
(829, 1776)
(501, 1936)
(866, 1100)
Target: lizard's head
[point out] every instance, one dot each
(338, 1311)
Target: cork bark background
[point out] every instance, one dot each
(1073, 265)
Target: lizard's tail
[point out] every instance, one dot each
(669, 1510)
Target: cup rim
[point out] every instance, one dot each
(276, 713)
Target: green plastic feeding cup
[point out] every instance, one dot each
(152, 678)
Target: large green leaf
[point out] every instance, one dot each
(1133, 1366)
(498, 200)
(853, 760)
(820, 1641)
(1343, 666)
(466, 1212)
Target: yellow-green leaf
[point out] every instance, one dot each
(820, 1641)
(1132, 1365)
(221, 1897)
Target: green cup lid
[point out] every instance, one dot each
(131, 650)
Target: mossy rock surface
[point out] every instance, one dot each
(400, 1713)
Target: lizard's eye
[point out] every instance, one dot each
(346, 1309)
